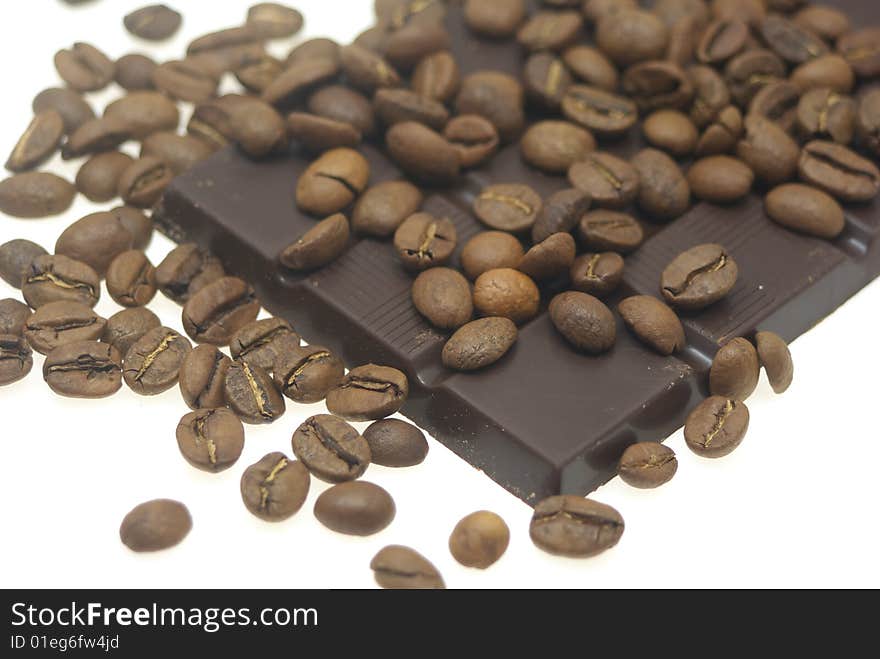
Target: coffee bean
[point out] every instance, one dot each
(35, 194)
(124, 328)
(152, 364)
(604, 113)
(672, 131)
(630, 36)
(776, 359)
(554, 146)
(318, 134)
(584, 321)
(608, 181)
(95, 136)
(185, 81)
(155, 525)
(479, 539)
(474, 138)
(423, 241)
(722, 135)
(251, 394)
(805, 209)
(498, 19)
(16, 360)
(306, 374)
(216, 312)
(549, 259)
(62, 322)
(735, 370)
(722, 39)
(135, 72)
(839, 171)
(346, 105)
(479, 344)
(382, 208)
(15, 258)
(591, 67)
(664, 193)
(495, 96)
(394, 106)
(144, 181)
(437, 77)
(571, 526)
(699, 277)
(396, 443)
(507, 293)
(546, 80)
(790, 41)
(423, 153)
(85, 369)
(226, 38)
(262, 342)
(366, 70)
(550, 30)
(508, 207)
(131, 279)
(404, 47)
(711, 94)
(823, 21)
(154, 22)
(99, 176)
(144, 113)
(138, 224)
(369, 393)
(50, 278)
(38, 142)
(610, 231)
(210, 439)
(826, 71)
(13, 316)
(752, 12)
(443, 297)
(720, 179)
(211, 121)
(275, 488)
(647, 465)
(95, 239)
(683, 41)
(256, 76)
(179, 152)
(313, 49)
(657, 85)
(72, 107)
(331, 449)
(257, 127)
(861, 50)
(823, 113)
(653, 323)
(186, 270)
(560, 213)
(597, 274)
(332, 182)
(203, 376)
(489, 250)
(274, 20)
(716, 427)
(84, 68)
(768, 151)
(319, 246)
(355, 508)
(398, 567)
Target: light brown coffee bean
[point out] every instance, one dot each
(275, 488)
(611, 231)
(423, 153)
(203, 377)
(554, 146)
(131, 279)
(479, 344)
(609, 181)
(584, 321)
(597, 274)
(735, 370)
(776, 359)
(489, 250)
(355, 508)
(155, 525)
(699, 277)
(423, 241)
(319, 246)
(210, 439)
(647, 465)
(716, 427)
(479, 539)
(720, 179)
(507, 293)
(805, 209)
(473, 138)
(40, 140)
(576, 527)
(443, 297)
(35, 194)
(59, 323)
(398, 567)
(653, 323)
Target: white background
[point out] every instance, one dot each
(795, 505)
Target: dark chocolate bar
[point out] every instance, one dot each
(545, 419)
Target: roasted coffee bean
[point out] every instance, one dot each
(683, 41)
(138, 224)
(275, 488)
(479, 344)
(591, 67)
(777, 101)
(366, 70)
(135, 72)
(584, 321)
(262, 342)
(671, 131)
(839, 171)
(829, 71)
(319, 246)
(776, 359)
(95, 136)
(185, 81)
(716, 427)
(84, 68)
(423, 153)
(861, 48)
(179, 152)
(155, 525)
(489, 250)
(344, 104)
(549, 259)
(751, 71)
(58, 323)
(39, 141)
(223, 39)
(396, 443)
(824, 21)
(203, 376)
(256, 76)
(647, 465)
(507, 293)
(314, 49)
(550, 30)
(711, 94)
(13, 316)
(479, 539)
(664, 193)
(653, 323)
(35, 194)
(186, 270)
(752, 12)
(597, 274)
(498, 19)
(602, 112)
(768, 150)
(98, 178)
(368, 393)
(332, 182)
(144, 181)
(823, 113)
(318, 134)
(571, 526)
(735, 370)
(152, 364)
(51, 278)
(331, 449)
(437, 77)
(508, 207)
(383, 207)
(610, 231)
(126, 327)
(406, 46)
(210, 439)
(144, 113)
(805, 209)
(16, 360)
(355, 508)
(672, 11)
(554, 146)
(154, 22)
(15, 258)
(423, 241)
(131, 279)
(251, 394)
(791, 42)
(608, 181)
(474, 138)
(443, 297)
(256, 127)
(496, 96)
(656, 85)
(85, 369)
(306, 374)
(274, 20)
(95, 240)
(722, 39)
(594, 10)
(699, 277)
(394, 106)
(632, 36)
(216, 312)
(560, 213)
(298, 80)
(720, 179)
(722, 135)
(72, 107)
(397, 567)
